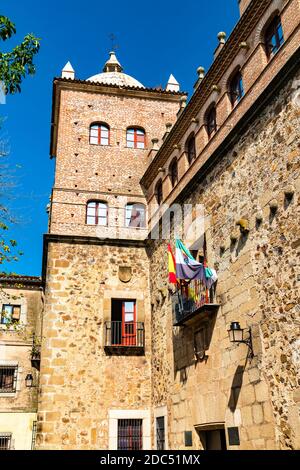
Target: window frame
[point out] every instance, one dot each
(191, 153)
(211, 121)
(159, 194)
(101, 126)
(173, 172)
(136, 138)
(142, 220)
(13, 388)
(6, 436)
(96, 216)
(236, 88)
(160, 442)
(272, 31)
(11, 319)
(130, 435)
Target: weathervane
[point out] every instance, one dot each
(113, 38)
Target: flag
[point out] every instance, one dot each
(186, 266)
(211, 277)
(172, 269)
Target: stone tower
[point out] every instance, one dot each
(95, 368)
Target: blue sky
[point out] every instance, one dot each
(155, 39)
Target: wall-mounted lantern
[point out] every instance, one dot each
(241, 335)
(29, 381)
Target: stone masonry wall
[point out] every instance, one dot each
(16, 345)
(80, 383)
(258, 286)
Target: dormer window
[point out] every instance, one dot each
(96, 213)
(99, 134)
(236, 89)
(274, 37)
(136, 138)
(211, 122)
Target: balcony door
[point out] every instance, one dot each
(123, 322)
(129, 323)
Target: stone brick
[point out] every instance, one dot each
(56, 380)
(267, 431)
(61, 264)
(254, 374)
(248, 395)
(247, 419)
(52, 416)
(261, 392)
(258, 414)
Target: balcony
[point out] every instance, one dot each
(193, 302)
(124, 338)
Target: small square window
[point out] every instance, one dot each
(10, 314)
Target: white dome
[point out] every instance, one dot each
(116, 78)
(113, 74)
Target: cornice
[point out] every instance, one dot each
(226, 56)
(98, 87)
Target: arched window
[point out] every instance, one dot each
(136, 138)
(236, 88)
(211, 121)
(135, 215)
(99, 134)
(96, 213)
(274, 37)
(159, 192)
(191, 149)
(173, 172)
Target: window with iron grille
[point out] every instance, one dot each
(10, 314)
(34, 430)
(99, 134)
(160, 433)
(236, 89)
(135, 215)
(96, 213)
(274, 37)
(130, 434)
(8, 378)
(136, 138)
(5, 440)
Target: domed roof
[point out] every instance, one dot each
(113, 74)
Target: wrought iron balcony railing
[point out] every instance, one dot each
(191, 300)
(128, 335)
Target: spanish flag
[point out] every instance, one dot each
(172, 266)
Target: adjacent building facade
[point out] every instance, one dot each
(21, 300)
(127, 360)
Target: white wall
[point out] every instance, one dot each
(20, 426)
